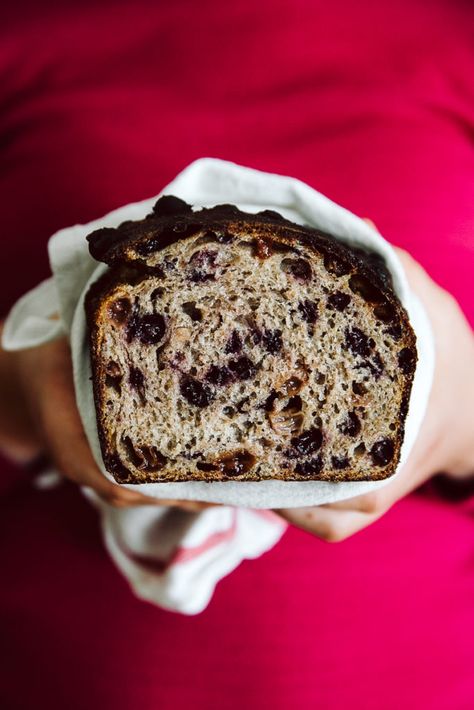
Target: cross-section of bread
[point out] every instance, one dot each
(231, 346)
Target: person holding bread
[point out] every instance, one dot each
(103, 109)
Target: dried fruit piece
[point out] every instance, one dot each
(366, 289)
(270, 400)
(196, 392)
(291, 386)
(309, 311)
(385, 312)
(219, 376)
(340, 462)
(203, 264)
(351, 425)
(145, 458)
(243, 368)
(201, 276)
(236, 463)
(339, 300)
(374, 364)
(234, 344)
(308, 442)
(358, 342)
(382, 452)
(294, 404)
(262, 248)
(300, 269)
(149, 329)
(119, 309)
(311, 467)
(272, 341)
(287, 422)
(205, 466)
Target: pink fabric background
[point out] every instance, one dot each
(371, 103)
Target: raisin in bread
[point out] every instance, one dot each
(235, 346)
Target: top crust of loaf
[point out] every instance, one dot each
(131, 251)
(173, 219)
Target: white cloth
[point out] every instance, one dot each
(132, 535)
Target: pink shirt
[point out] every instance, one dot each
(371, 103)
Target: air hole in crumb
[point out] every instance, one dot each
(192, 311)
(344, 386)
(193, 370)
(392, 427)
(238, 433)
(331, 323)
(336, 409)
(320, 378)
(359, 450)
(157, 293)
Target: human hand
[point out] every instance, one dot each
(39, 415)
(446, 439)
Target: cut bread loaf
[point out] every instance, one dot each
(233, 346)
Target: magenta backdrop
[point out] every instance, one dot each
(371, 103)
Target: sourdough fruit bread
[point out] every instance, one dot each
(235, 346)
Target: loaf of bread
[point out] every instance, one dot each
(235, 346)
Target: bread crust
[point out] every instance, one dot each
(130, 249)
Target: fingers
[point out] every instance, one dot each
(327, 524)
(375, 502)
(371, 224)
(192, 506)
(335, 522)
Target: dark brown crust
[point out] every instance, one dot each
(126, 248)
(172, 219)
